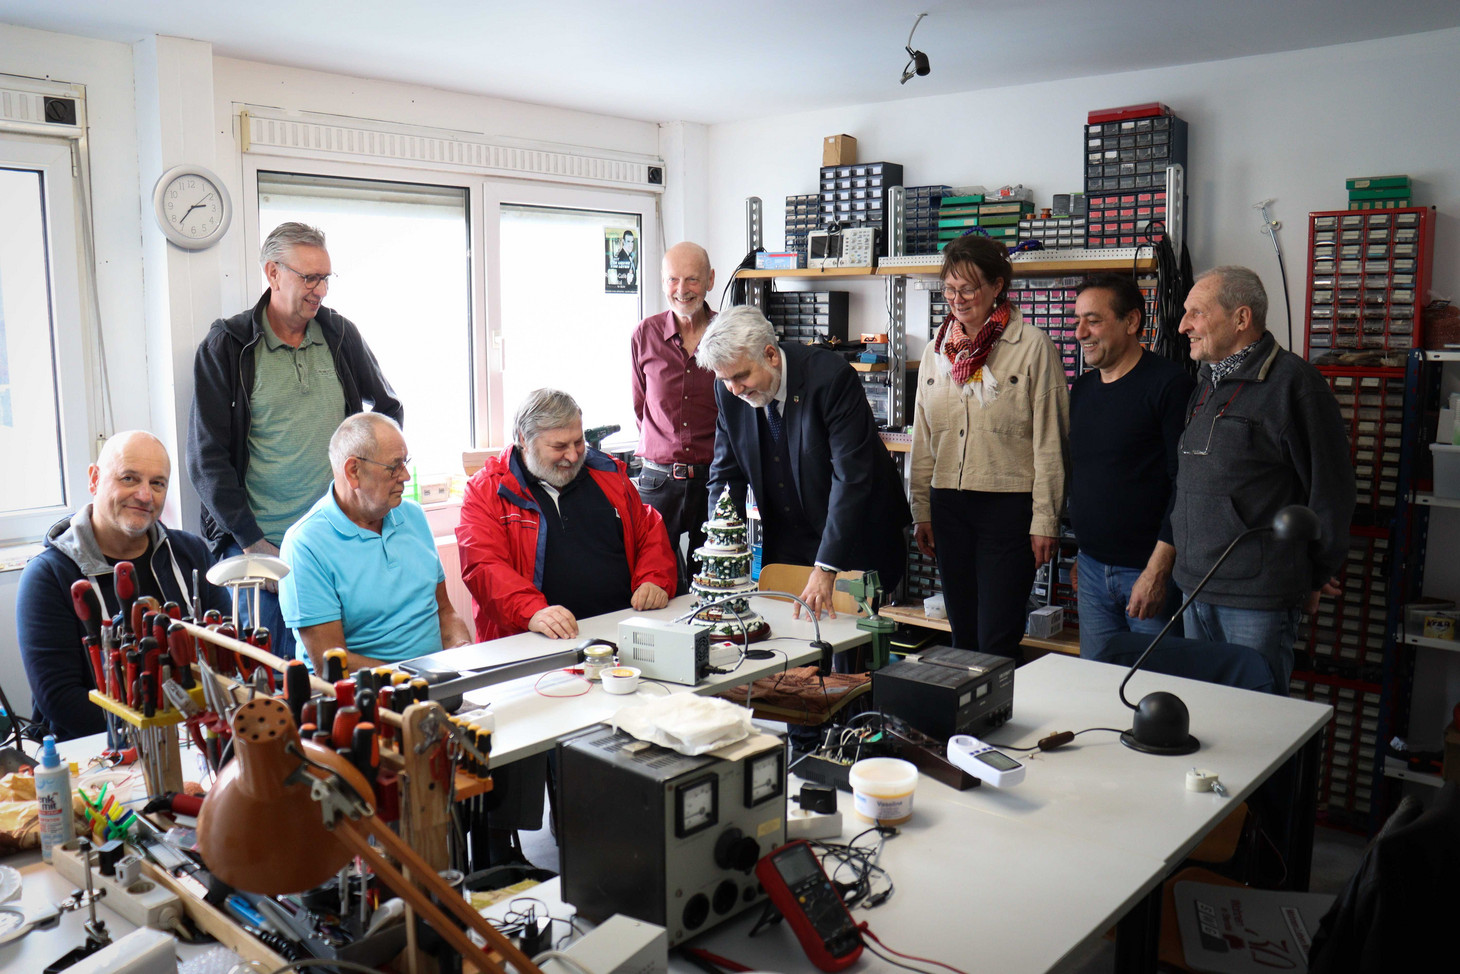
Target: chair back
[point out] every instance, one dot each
(1226, 663)
(780, 577)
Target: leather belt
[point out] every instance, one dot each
(679, 471)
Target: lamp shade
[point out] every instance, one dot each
(256, 832)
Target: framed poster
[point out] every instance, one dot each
(620, 261)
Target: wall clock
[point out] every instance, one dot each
(193, 207)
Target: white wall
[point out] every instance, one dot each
(1289, 126)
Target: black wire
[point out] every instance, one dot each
(894, 963)
(1036, 747)
(1287, 302)
(1173, 282)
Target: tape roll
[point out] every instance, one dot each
(1200, 780)
(621, 679)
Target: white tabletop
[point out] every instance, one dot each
(1099, 789)
(529, 721)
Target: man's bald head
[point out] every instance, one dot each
(688, 279)
(132, 443)
(128, 485)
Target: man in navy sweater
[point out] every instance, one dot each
(1126, 415)
(128, 484)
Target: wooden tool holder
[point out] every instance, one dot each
(420, 759)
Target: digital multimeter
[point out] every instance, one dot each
(984, 761)
(799, 888)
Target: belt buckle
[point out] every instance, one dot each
(681, 471)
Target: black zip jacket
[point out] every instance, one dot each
(223, 376)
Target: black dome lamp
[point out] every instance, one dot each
(1162, 724)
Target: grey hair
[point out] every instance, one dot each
(1238, 287)
(543, 410)
(741, 332)
(356, 437)
(285, 237)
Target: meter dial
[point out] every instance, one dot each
(696, 806)
(765, 777)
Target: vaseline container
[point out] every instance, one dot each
(882, 789)
(621, 679)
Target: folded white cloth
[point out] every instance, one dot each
(685, 722)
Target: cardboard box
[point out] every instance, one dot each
(838, 150)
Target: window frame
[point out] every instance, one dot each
(486, 195)
(68, 281)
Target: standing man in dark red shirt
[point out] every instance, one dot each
(674, 401)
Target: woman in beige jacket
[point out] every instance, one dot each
(990, 437)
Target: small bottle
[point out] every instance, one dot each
(596, 659)
(53, 795)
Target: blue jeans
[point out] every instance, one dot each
(1104, 594)
(1271, 632)
(271, 617)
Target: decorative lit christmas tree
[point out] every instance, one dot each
(725, 571)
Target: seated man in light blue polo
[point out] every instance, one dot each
(364, 574)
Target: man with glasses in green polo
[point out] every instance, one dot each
(364, 573)
(270, 387)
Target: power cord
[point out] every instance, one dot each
(1173, 282)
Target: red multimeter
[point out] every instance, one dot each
(798, 886)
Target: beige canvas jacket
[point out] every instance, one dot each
(1017, 443)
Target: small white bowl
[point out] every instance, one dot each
(621, 679)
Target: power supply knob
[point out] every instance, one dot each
(736, 850)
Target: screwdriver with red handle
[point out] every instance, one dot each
(125, 581)
(88, 610)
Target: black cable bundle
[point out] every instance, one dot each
(1173, 282)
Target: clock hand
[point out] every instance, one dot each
(187, 211)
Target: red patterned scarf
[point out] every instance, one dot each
(968, 356)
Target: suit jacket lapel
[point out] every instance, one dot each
(792, 416)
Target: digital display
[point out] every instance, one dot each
(796, 865)
(998, 761)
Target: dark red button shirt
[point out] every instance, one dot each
(674, 399)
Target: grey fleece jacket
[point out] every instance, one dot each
(1267, 436)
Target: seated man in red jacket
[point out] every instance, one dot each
(552, 531)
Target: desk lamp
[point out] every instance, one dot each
(286, 815)
(1162, 723)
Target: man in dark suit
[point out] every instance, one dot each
(795, 425)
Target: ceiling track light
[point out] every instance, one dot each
(917, 63)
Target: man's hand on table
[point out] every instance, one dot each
(817, 594)
(555, 622)
(648, 596)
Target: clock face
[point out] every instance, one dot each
(193, 208)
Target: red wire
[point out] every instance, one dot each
(923, 960)
(724, 962)
(538, 687)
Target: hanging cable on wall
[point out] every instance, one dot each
(1173, 282)
(1271, 227)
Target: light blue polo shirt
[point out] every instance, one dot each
(382, 586)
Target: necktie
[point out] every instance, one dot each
(773, 416)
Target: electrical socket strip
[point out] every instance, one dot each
(142, 904)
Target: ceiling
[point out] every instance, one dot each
(716, 61)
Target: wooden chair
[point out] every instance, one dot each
(779, 577)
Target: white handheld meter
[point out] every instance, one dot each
(984, 761)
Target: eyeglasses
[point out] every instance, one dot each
(1206, 450)
(966, 293)
(392, 469)
(311, 281)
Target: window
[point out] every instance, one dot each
(44, 411)
(570, 302)
(403, 258)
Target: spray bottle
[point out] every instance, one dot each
(53, 795)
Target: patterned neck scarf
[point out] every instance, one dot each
(968, 356)
(1228, 365)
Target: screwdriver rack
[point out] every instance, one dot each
(419, 761)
